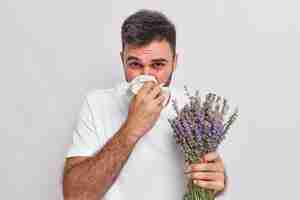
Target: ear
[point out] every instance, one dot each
(175, 61)
(121, 56)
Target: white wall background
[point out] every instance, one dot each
(53, 52)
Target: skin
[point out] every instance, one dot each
(208, 173)
(90, 177)
(154, 59)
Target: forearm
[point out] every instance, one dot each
(91, 178)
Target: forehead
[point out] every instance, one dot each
(153, 50)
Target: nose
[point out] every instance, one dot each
(146, 71)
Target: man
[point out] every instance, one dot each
(123, 146)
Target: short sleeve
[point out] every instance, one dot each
(85, 139)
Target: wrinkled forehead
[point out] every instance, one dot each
(152, 51)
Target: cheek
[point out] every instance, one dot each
(163, 75)
(131, 74)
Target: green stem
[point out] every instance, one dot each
(195, 192)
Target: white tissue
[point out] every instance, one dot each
(136, 84)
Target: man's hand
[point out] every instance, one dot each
(144, 110)
(210, 173)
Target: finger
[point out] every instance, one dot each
(214, 167)
(146, 88)
(214, 185)
(154, 93)
(160, 100)
(212, 156)
(208, 176)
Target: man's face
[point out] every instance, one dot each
(154, 59)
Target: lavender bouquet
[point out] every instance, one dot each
(199, 128)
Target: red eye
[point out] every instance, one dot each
(134, 64)
(158, 65)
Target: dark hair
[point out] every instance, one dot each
(145, 26)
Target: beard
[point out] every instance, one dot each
(167, 84)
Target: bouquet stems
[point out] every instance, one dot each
(195, 192)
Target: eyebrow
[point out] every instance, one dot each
(153, 60)
(159, 60)
(132, 58)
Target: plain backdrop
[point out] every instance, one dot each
(53, 52)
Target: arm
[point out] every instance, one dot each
(90, 177)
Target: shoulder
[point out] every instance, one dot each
(96, 96)
(108, 100)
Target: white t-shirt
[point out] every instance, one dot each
(155, 168)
